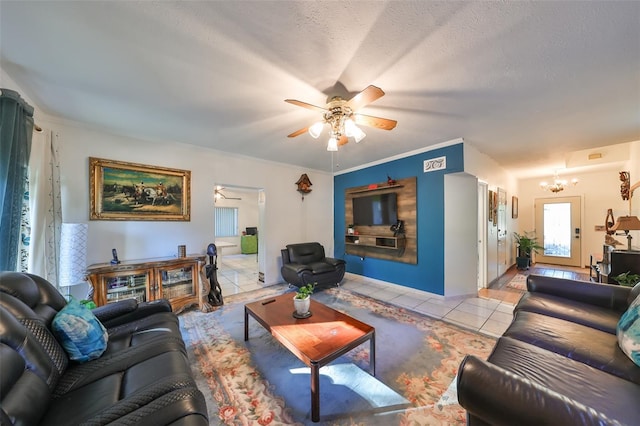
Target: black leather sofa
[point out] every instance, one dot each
(306, 263)
(558, 363)
(142, 378)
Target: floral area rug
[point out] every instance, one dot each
(260, 382)
(519, 282)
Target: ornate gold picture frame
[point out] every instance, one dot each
(130, 191)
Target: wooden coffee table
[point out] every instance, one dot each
(326, 335)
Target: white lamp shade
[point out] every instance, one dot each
(73, 254)
(350, 128)
(359, 134)
(333, 144)
(316, 129)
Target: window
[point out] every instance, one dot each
(226, 223)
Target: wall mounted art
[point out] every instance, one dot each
(130, 191)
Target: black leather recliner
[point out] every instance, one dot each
(306, 263)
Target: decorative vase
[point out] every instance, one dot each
(302, 305)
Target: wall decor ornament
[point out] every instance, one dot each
(129, 191)
(434, 164)
(514, 207)
(304, 185)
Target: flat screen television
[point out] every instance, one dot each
(379, 209)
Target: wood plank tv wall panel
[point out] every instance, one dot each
(378, 241)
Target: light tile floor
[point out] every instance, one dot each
(487, 316)
(239, 273)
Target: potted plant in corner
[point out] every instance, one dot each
(627, 279)
(302, 300)
(527, 243)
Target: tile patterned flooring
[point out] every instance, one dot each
(489, 313)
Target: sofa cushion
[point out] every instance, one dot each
(79, 332)
(600, 391)
(628, 331)
(592, 316)
(590, 346)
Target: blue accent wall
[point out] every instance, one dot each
(428, 273)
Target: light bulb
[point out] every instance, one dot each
(316, 129)
(333, 144)
(359, 135)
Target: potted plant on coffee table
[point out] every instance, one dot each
(302, 300)
(527, 243)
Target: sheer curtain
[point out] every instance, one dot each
(45, 206)
(16, 129)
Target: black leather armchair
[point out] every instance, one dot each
(306, 263)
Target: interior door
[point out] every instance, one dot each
(558, 230)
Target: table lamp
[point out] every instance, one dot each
(626, 224)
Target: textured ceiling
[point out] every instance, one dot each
(524, 82)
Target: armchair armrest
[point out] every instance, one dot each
(603, 295)
(113, 310)
(334, 262)
(296, 268)
(516, 400)
(124, 311)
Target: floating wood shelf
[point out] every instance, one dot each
(378, 188)
(379, 241)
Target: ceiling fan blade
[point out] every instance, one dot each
(343, 140)
(306, 105)
(380, 123)
(298, 132)
(368, 95)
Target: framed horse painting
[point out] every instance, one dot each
(130, 191)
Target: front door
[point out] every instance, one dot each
(558, 230)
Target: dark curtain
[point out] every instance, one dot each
(16, 129)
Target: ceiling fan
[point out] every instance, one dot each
(218, 194)
(341, 116)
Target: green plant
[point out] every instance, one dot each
(627, 279)
(305, 291)
(527, 243)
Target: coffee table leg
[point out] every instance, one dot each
(372, 354)
(246, 324)
(315, 392)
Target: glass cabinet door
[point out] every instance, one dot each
(177, 282)
(127, 286)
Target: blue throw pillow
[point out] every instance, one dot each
(628, 331)
(79, 332)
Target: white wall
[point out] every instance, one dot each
(487, 170)
(599, 191)
(461, 235)
(286, 219)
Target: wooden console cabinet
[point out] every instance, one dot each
(174, 279)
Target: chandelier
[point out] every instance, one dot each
(341, 125)
(558, 184)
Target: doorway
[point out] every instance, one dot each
(558, 230)
(240, 248)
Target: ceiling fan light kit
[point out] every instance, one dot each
(341, 117)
